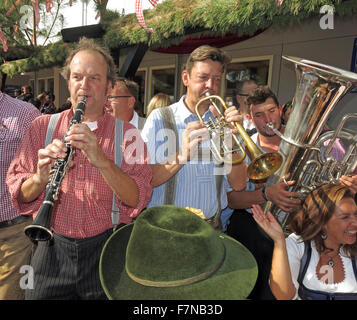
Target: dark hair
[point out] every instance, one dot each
(51, 96)
(36, 102)
(260, 95)
(207, 52)
(316, 211)
(28, 88)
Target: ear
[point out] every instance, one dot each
(132, 101)
(185, 77)
(249, 117)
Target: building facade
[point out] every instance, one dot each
(259, 56)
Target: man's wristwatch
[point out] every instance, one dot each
(264, 194)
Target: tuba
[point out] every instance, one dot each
(306, 150)
(262, 164)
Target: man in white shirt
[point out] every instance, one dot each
(178, 179)
(123, 100)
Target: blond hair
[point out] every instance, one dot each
(158, 101)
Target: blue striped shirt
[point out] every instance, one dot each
(196, 181)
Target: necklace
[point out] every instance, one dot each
(330, 262)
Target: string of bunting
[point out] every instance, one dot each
(35, 4)
(49, 5)
(140, 15)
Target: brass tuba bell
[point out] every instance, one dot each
(262, 165)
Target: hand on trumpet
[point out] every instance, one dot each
(195, 132)
(231, 115)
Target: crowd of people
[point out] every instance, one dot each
(134, 186)
(44, 101)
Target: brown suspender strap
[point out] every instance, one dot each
(169, 124)
(215, 221)
(170, 186)
(141, 122)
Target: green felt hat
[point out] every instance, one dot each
(172, 254)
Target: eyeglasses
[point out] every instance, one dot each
(117, 97)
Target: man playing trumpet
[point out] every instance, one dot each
(178, 178)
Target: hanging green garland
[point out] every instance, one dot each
(173, 20)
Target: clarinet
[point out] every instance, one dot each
(40, 229)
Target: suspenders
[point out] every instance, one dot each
(118, 141)
(51, 127)
(170, 186)
(169, 124)
(141, 122)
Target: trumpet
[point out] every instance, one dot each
(262, 165)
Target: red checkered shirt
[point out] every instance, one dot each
(15, 118)
(85, 200)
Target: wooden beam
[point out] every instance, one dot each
(133, 60)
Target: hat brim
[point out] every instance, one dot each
(234, 280)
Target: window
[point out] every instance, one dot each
(32, 84)
(257, 69)
(41, 85)
(50, 85)
(44, 84)
(163, 80)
